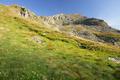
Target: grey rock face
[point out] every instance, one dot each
(61, 19)
(37, 39)
(87, 35)
(22, 12)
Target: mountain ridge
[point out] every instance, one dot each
(75, 24)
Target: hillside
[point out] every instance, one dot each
(60, 47)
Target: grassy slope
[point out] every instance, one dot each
(59, 57)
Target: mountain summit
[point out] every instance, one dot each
(58, 47)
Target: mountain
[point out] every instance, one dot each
(59, 47)
(81, 26)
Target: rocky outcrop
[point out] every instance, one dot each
(115, 60)
(95, 22)
(86, 35)
(22, 12)
(37, 39)
(62, 19)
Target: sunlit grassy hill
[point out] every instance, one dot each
(31, 50)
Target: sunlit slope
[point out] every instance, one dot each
(30, 51)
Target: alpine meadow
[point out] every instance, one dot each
(58, 47)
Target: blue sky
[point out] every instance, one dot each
(109, 10)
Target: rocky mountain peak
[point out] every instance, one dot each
(62, 19)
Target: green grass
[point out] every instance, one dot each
(59, 57)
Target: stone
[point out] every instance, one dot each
(116, 60)
(37, 39)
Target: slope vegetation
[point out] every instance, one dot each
(29, 50)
